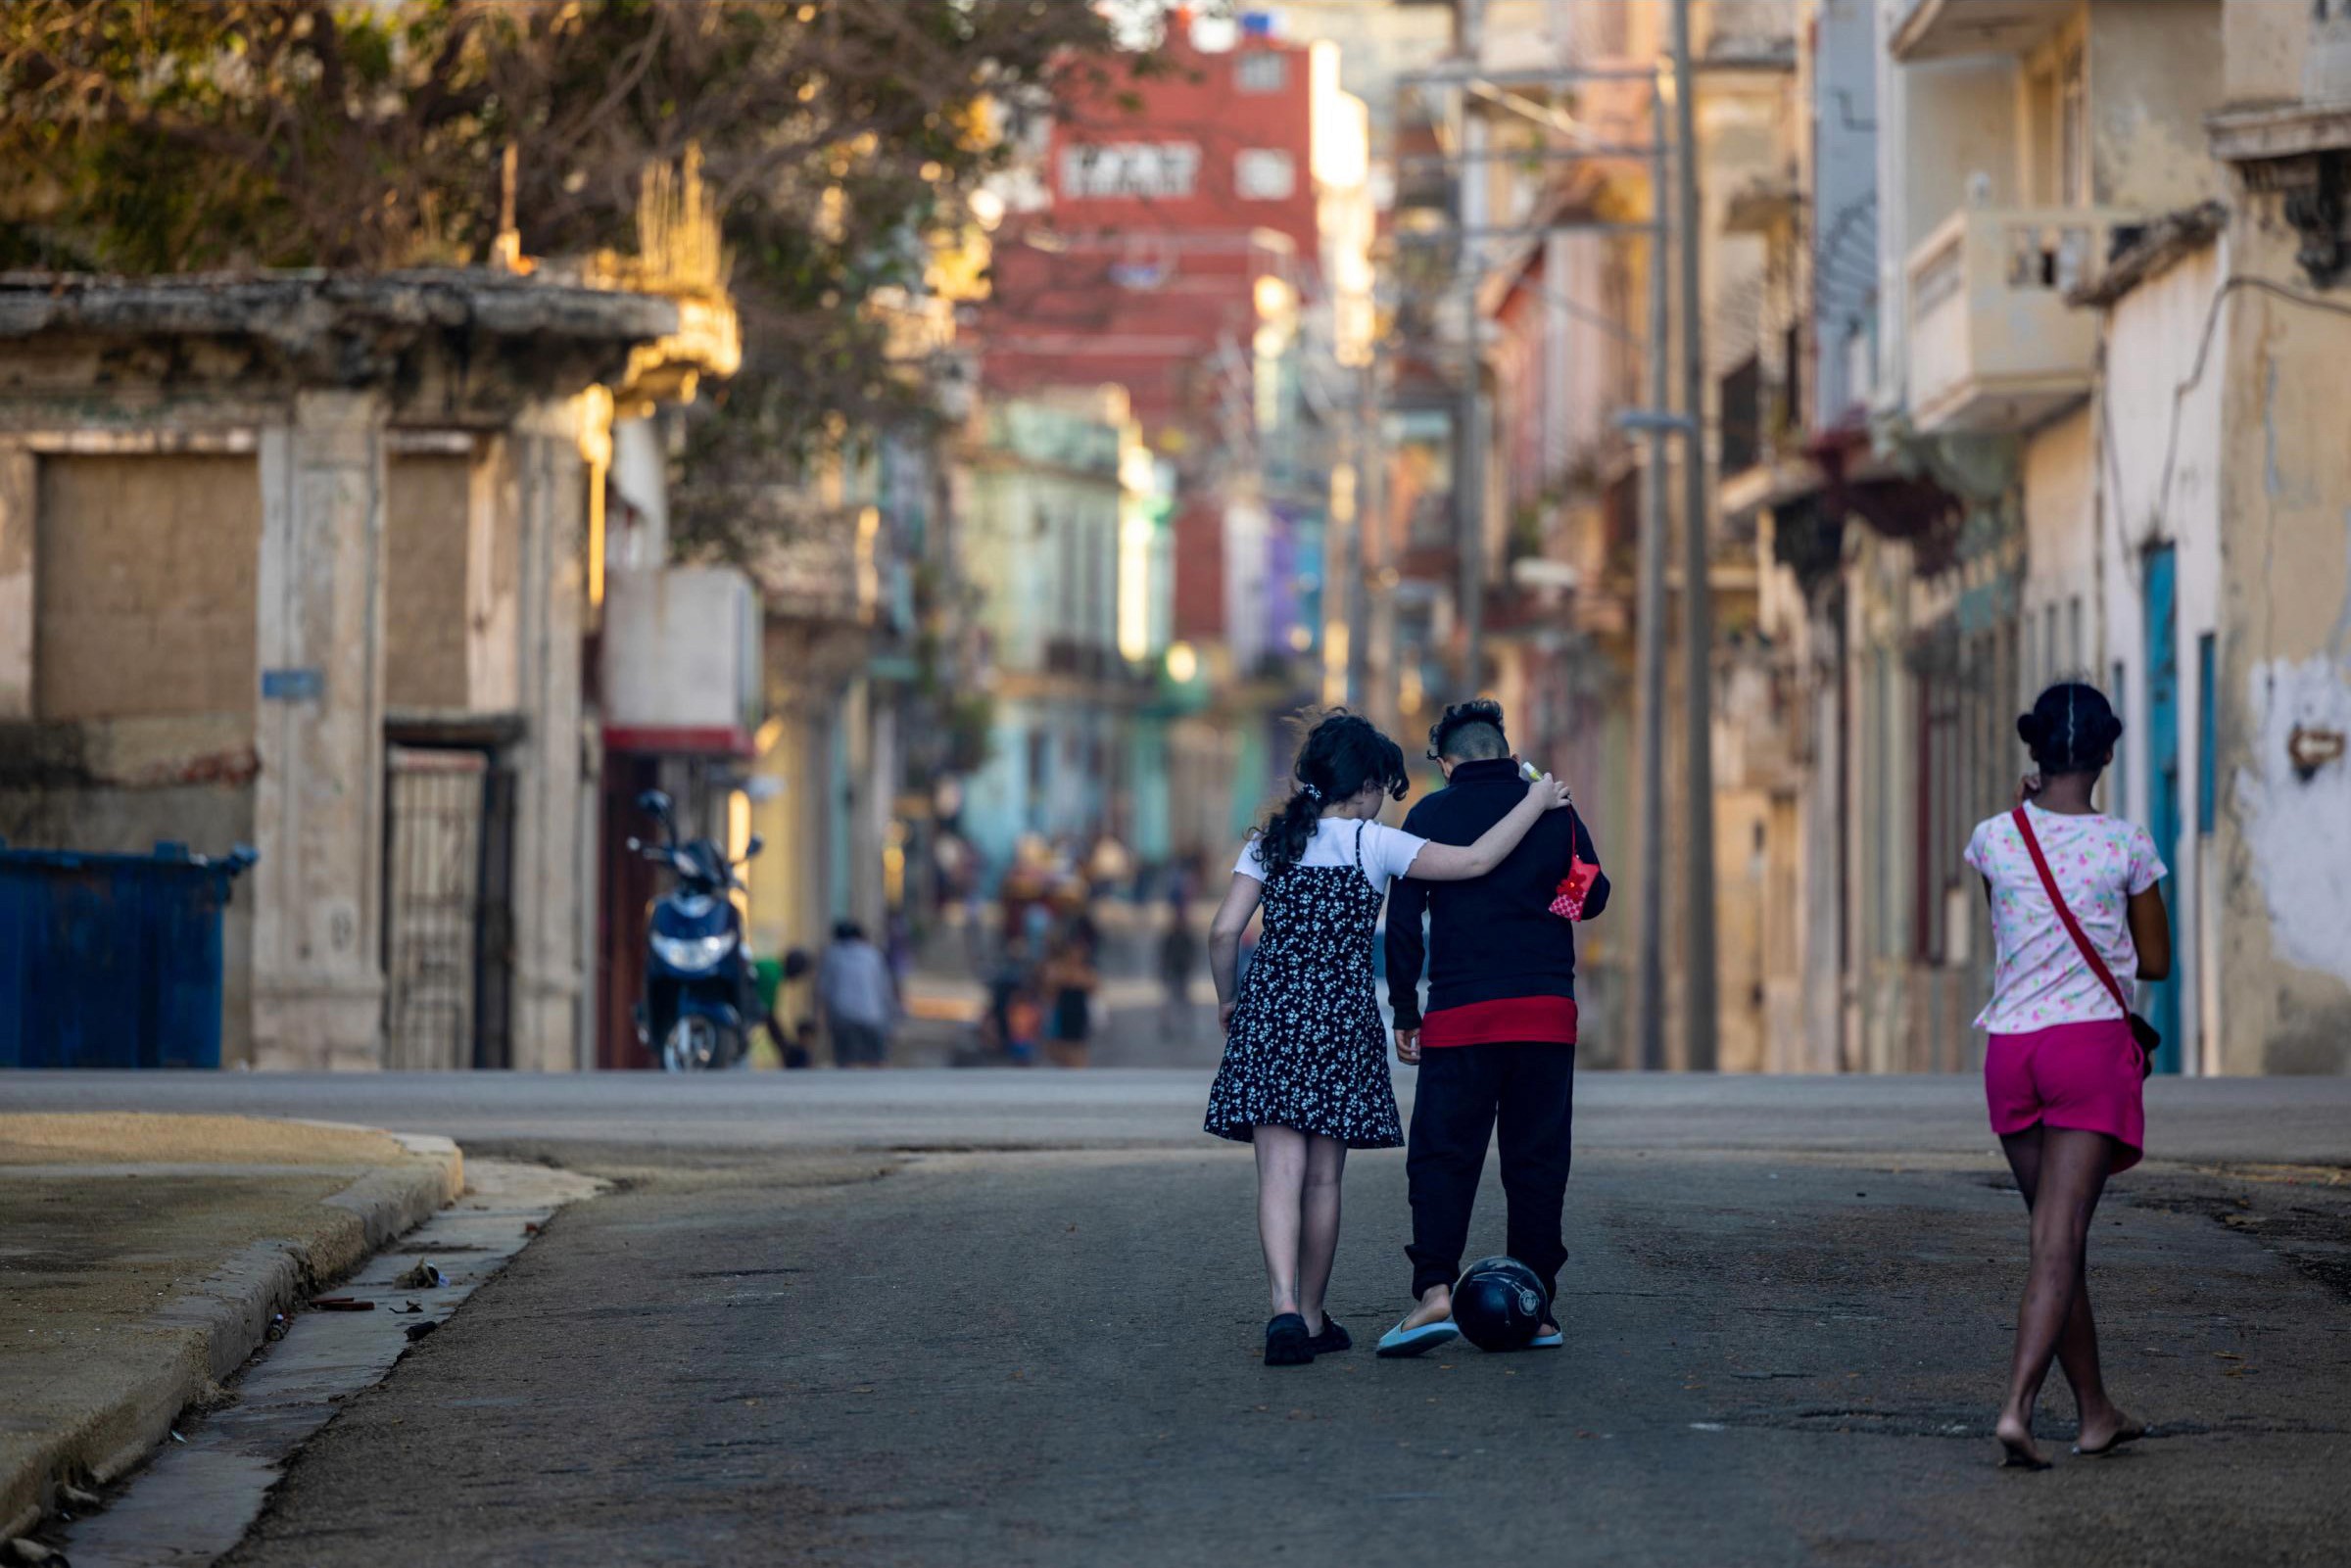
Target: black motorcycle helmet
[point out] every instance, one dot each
(1498, 1303)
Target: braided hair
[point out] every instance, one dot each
(1341, 755)
(2072, 729)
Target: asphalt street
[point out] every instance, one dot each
(2273, 1121)
(881, 1318)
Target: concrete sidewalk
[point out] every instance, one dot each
(143, 1256)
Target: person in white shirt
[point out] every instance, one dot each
(2075, 907)
(854, 984)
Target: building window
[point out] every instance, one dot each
(1263, 175)
(1788, 417)
(1261, 70)
(1129, 168)
(1740, 422)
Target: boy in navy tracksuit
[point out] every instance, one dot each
(1497, 1043)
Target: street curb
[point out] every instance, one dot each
(205, 1334)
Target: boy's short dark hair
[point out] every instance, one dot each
(1468, 732)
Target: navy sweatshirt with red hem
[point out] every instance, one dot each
(1500, 964)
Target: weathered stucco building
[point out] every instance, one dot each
(2280, 783)
(260, 537)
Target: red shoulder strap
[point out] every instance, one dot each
(2073, 926)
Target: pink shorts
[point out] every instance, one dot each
(2078, 1075)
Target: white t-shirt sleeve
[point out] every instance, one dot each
(1388, 852)
(1976, 855)
(2146, 866)
(1251, 864)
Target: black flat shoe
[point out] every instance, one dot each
(1287, 1343)
(1332, 1339)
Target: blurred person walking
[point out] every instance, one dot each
(2074, 905)
(1179, 961)
(1069, 981)
(859, 998)
(1305, 1076)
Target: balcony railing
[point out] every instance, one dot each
(1993, 344)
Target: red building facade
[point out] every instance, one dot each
(1166, 211)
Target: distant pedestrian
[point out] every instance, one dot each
(1179, 961)
(897, 936)
(854, 984)
(1305, 1076)
(2074, 907)
(1025, 1023)
(1006, 980)
(795, 1042)
(1069, 981)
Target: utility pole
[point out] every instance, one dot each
(1470, 476)
(1648, 625)
(1698, 620)
(1372, 647)
(1363, 458)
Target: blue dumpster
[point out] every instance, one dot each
(111, 961)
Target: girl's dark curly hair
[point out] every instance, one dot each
(1342, 754)
(2072, 729)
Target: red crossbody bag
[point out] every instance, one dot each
(2142, 1033)
(1567, 899)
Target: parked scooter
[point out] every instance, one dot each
(698, 988)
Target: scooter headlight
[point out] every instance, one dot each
(693, 954)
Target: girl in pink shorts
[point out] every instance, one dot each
(2062, 1071)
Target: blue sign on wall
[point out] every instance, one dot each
(294, 685)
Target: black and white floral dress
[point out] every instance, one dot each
(1306, 1048)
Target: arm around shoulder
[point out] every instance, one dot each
(1454, 863)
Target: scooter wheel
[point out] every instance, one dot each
(690, 1046)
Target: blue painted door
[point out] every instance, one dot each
(2160, 1002)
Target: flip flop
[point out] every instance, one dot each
(1547, 1341)
(1401, 1340)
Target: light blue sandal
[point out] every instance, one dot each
(1401, 1340)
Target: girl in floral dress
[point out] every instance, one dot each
(1305, 1076)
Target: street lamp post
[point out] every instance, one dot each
(1649, 656)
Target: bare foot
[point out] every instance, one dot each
(2107, 1434)
(1434, 1307)
(2016, 1436)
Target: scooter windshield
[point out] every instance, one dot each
(700, 863)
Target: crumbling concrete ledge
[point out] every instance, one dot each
(146, 1258)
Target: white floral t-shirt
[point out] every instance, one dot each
(2038, 978)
